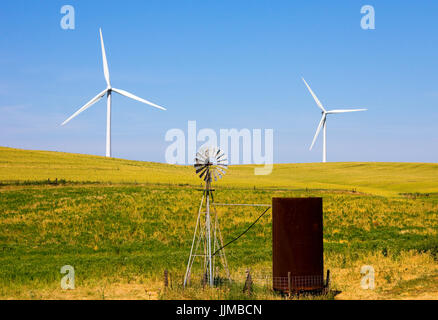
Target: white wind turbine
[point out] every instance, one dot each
(108, 92)
(323, 121)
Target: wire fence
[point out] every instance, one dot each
(289, 283)
(265, 280)
(298, 283)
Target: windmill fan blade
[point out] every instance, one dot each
(201, 164)
(200, 169)
(318, 130)
(222, 167)
(200, 156)
(206, 172)
(130, 95)
(202, 174)
(86, 106)
(220, 156)
(221, 171)
(314, 96)
(105, 62)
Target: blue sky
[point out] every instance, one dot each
(225, 64)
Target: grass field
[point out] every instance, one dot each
(120, 223)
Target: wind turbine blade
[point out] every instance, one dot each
(345, 110)
(130, 95)
(105, 62)
(86, 106)
(314, 96)
(318, 130)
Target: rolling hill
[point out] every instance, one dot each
(368, 177)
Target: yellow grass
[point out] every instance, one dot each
(375, 178)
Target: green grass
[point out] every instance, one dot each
(137, 219)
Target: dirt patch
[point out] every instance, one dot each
(115, 291)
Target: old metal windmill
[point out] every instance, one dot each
(207, 243)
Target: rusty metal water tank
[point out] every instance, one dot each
(297, 244)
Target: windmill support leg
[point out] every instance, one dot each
(191, 257)
(208, 227)
(208, 235)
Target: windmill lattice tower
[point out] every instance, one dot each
(207, 243)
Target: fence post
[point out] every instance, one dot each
(289, 283)
(204, 280)
(327, 282)
(248, 283)
(166, 279)
(171, 280)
